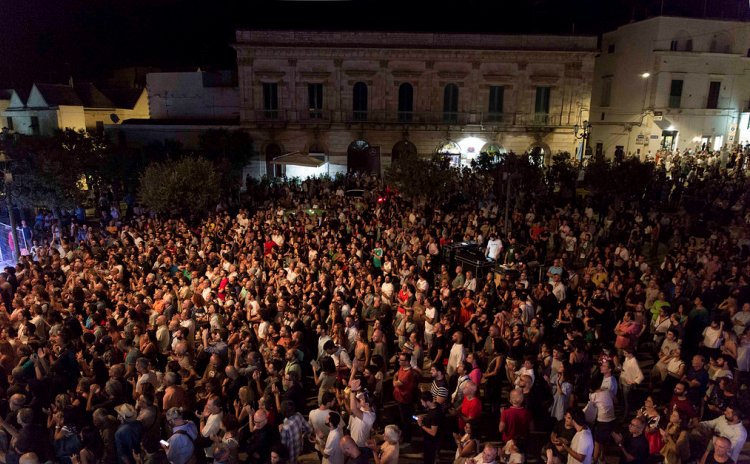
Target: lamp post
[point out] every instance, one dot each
(5, 162)
(582, 133)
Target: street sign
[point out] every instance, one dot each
(658, 115)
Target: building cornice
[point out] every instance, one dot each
(413, 40)
(370, 54)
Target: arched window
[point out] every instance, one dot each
(362, 157)
(721, 42)
(495, 151)
(405, 102)
(450, 103)
(403, 149)
(451, 150)
(359, 101)
(682, 42)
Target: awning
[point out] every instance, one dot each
(297, 159)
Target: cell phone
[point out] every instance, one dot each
(164, 443)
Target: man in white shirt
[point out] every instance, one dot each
(630, 377)
(323, 337)
(430, 319)
(362, 418)
(457, 354)
(494, 247)
(730, 427)
(581, 448)
(318, 418)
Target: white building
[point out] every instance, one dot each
(50, 107)
(182, 106)
(676, 83)
(355, 99)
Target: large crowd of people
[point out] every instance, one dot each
(319, 323)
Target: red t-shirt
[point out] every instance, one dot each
(471, 408)
(517, 423)
(405, 393)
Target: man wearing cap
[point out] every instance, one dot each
(128, 435)
(182, 442)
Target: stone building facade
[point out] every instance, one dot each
(360, 99)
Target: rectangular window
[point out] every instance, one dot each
(100, 128)
(673, 45)
(10, 123)
(497, 95)
(606, 91)
(271, 100)
(675, 93)
(35, 130)
(541, 105)
(450, 104)
(713, 95)
(315, 100)
(611, 48)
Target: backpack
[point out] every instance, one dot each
(194, 459)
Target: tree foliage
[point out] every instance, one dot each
(58, 171)
(188, 184)
(419, 178)
(230, 151)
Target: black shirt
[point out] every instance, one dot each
(636, 447)
(438, 343)
(434, 417)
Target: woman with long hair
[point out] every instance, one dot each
(561, 390)
(467, 446)
(676, 448)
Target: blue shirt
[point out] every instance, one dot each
(127, 440)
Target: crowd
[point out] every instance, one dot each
(322, 323)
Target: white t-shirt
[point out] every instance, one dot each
(493, 248)
(318, 418)
(360, 428)
(429, 312)
(212, 427)
(605, 407)
(583, 443)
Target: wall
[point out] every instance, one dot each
(646, 47)
(428, 62)
(182, 95)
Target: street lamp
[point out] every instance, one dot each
(585, 131)
(5, 162)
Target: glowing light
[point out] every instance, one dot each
(646, 75)
(471, 145)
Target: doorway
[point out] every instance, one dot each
(668, 139)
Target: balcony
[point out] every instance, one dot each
(278, 118)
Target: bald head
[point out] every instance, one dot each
(516, 397)
(349, 447)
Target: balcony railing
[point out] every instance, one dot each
(315, 116)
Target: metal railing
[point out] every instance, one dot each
(316, 116)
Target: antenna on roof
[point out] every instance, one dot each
(70, 74)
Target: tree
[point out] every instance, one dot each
(188, 184)
(229, 152)
(57, 172)
(419, 178)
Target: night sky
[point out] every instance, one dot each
(47, 40)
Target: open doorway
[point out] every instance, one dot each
(668, 139)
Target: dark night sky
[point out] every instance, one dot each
(46, 40)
